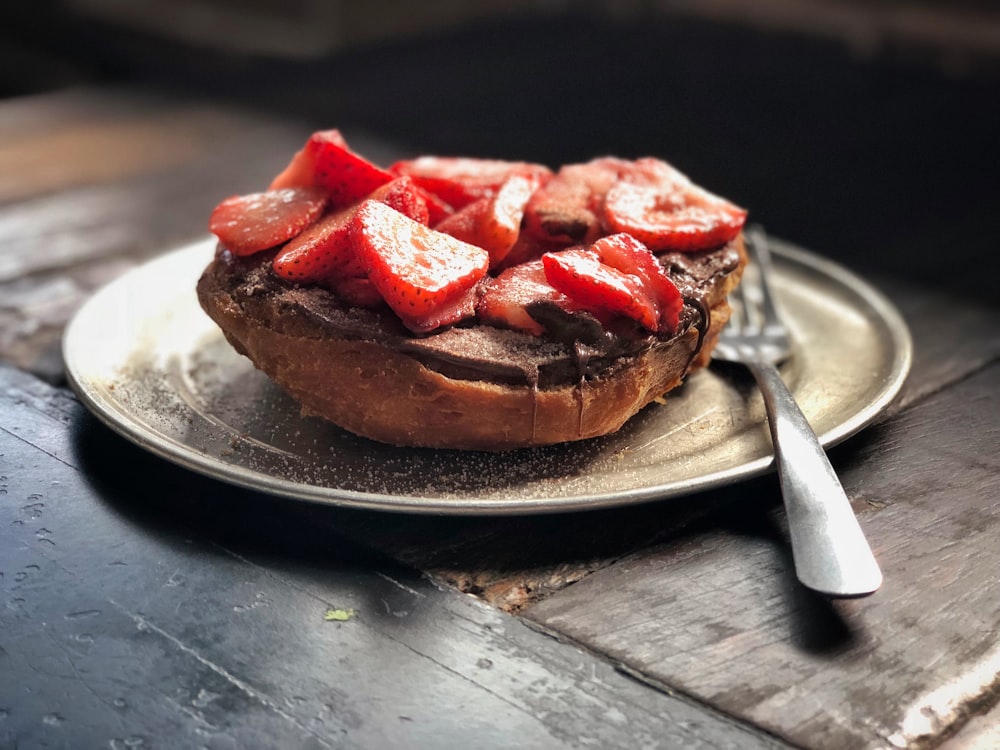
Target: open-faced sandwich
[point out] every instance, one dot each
(473, 303)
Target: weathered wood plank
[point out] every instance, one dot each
(56, 142)
(54, 110)
(716, 614)
(138, 216)
(980, 733)
(953, 335)
(94, 184)
(142, 604)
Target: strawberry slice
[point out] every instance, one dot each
(618, 274)
(666, 211)
(301, 170)
(247, 224)
(404, 195)
(418, 271)
(628, 255)
(567, 208)
(327, 162)
(324, 251)
(437, 209)
(321, 253)
(493, 223)
(506, 300)
(448, 313)
(580, 274)
(459, 181)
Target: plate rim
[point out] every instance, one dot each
(110, 413)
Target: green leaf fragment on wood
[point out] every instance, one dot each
(338, 615)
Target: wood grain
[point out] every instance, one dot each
(91, 185)
(716, 614)
(982, 732)
(142, 605)
(953, 336)
(56, 142)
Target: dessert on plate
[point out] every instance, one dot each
(469, 303)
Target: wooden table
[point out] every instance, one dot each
(146, 606)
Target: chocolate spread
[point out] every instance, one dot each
(576, 348)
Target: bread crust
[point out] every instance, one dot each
(375, 391)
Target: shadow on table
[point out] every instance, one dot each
(510, 562)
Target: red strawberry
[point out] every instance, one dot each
(448, 313)
(459, 181)
(493, 223)
(406, 197)
(327, 162)
(321, 253)
(437, 209)
(567, 208)
(506, 300)
(665, 210)
(325, 252)
(300, 171)
(464, 223)
(247, 224)
(419, 272)
(628, 255)
(579, 273)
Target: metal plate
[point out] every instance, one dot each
(149, 363)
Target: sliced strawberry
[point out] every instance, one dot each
(437, 209)
(417, 270)
(459, 181)
(327, 162)
(567, 208)
(627, 254)
(324, 252)
(464, 224)
(301, 170)
(247, 224)
(580, 274)
(661, 207)
(321, 253)
(506, 300)
(402, 194)
(493, 223)
(448, 313)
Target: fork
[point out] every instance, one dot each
(830, 552)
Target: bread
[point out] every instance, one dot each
(475, 304)
(473, 387)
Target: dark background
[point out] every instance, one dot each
(849, 133)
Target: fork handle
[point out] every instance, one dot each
(830, 551)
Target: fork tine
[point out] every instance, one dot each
(760, 254)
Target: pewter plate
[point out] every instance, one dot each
(150, 364)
